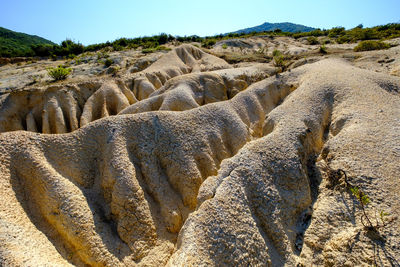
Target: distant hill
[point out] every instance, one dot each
(14, 44)
(284, 26)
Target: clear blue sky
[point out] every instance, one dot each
(90, 21)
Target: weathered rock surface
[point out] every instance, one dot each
(216, 168)
(197, 89)
(65, 108)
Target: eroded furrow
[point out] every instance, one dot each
(266, 186)
(249, 213)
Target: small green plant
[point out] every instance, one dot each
(364, 201)
(276, 52)
(113, 70)
(371, 45)
(78, 61)
(322, 49)
(334, 177)
(35, 79)
(59, 73)
(224, 46)
(279, 60)
(382, 216)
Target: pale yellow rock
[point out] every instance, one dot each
(181, 60)
(85, 182)
(55, 109)
(196, 89)
(108, 100)
(249, 213)
(65, 108)
(237, 182)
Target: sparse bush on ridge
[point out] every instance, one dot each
(155, 49)
(312, 40)
(102, 54)
(117, 47)
(371, 45)
(279, 59)
(209, 43)
(322, 49)
(276, 52)
(108, 62)
(59, 73)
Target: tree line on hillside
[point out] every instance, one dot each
(17, 44)
(68, 48)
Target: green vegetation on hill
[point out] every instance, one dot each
(371, 45)
(16, 44)
(284, 27)
(151, 44)
(358, 33)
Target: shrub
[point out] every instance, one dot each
(102, 54)
(312, 40)
(335, 32)
(121, 42)
(59, 73)
(224, 46)
(371, 45)
(113, 70)
(276, 52)
(42, 50)
(108, 62)
(322, 49)
(117, 47)
(209, 43)
(53, 57)
(316, 33)
(344, 39)
(155, 49)
(162, 38)
(279, 59)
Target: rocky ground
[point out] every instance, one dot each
(203, 157)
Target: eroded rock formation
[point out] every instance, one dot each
(65, 108)
(237, 177)
(193, 90)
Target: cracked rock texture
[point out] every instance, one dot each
(191, 162)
